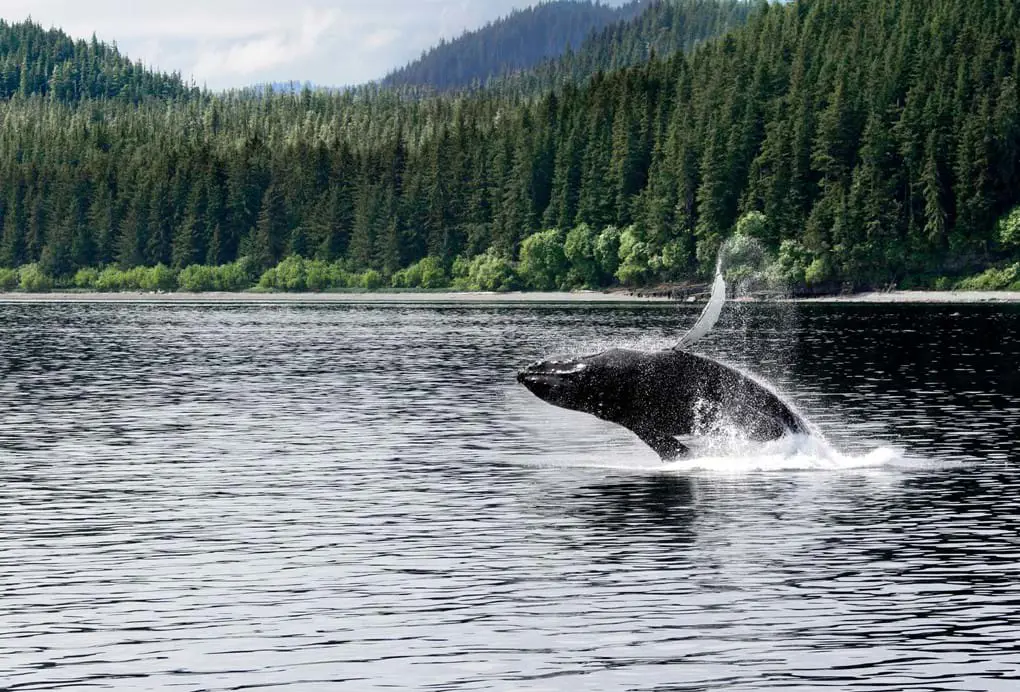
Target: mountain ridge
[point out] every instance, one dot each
(38, 61)
(517, 41)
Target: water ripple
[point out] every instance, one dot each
(358, 497)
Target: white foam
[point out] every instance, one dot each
(791, 453)
(732, 457)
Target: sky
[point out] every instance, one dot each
(233, 43)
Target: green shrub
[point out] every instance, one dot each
(753, 224)
(433, 274)
(135, 278)
(158, 278)
(407, 278)
(489, 271)
(318, 276)
(291, 274)
(9, 279)
(34, 280)
(197, 278)
(817, 272)
(324, 276)
(268, 279)
(1009, 229)
(237, 276)
(635, 258)
(579, 248)
(993, 280)
(86, 278)
(429, 273)
(607, 252)
(790, 267)
(675, 258)
(371, 280)
(943, 283)
(543, 264)
(109, 280)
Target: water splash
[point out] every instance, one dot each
(710, 315)
(722, 455)
(747, 267)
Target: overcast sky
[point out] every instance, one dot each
(228, 43)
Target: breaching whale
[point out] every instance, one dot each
(665, 394)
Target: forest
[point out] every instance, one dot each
(863, 143)
(514, 43)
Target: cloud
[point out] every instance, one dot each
(261, 54)
(233, 43)
(383, 38)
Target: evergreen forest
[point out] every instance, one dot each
(517, 42)
(863, 143)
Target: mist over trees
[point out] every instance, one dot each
(875, 141)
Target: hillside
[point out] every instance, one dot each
(34, 61)
(862, 141)
(663, 28)
(519, 41)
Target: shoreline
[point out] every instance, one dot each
(578, 297)
(920, 297)
(379, 297)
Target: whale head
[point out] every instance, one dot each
(579, 384)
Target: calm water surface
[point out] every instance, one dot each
(360, 497)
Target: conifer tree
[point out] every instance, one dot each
(270, 237)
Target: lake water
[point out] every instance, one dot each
(361, 497)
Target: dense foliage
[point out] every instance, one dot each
(519, 41)
(877, 141)
(664, 28)
(35, 61)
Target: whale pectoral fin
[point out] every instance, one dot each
(666, 446)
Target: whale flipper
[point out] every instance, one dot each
(666, 446)
(710, 315)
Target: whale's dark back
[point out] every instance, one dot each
(662, 395)
(679, 393)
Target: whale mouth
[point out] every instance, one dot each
(546, 378)
(553, 368)
(539, 378)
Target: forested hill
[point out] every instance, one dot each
(866, 141)
(664, 27)
(519, 41)
(49, 62)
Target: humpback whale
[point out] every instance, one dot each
(665, 394)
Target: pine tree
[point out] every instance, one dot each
(12, 243)
(269, 240)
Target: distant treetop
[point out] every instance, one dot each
(519, 41)
(48, 62)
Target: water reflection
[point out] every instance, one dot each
(663, 505)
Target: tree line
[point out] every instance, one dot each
(50, 63)
(874, 141)
(517, 42)
(664, 28)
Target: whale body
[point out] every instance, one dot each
(662, 395)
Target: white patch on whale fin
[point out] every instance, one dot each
(710, 315)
